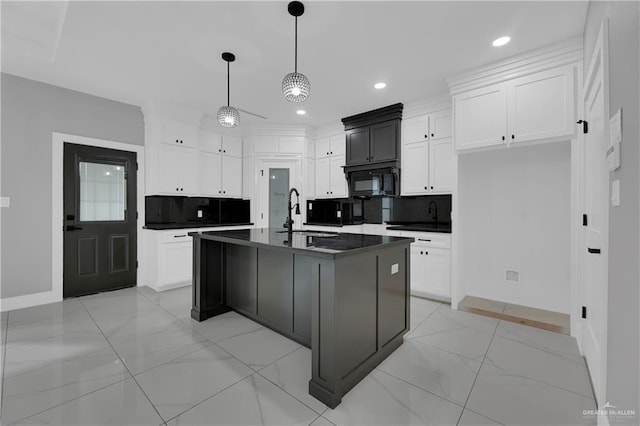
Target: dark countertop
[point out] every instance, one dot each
(167, 226)
(312, 243)
(421, 227)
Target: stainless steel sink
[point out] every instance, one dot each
(311, 233)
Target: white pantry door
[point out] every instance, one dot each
(595, 272)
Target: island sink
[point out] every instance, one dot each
(345, 296)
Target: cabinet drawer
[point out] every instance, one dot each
(175, 237)
(429, 239)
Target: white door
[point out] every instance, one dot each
(272, 199)
(594, 290)
(415, 168)
(231, 176)
(210, 176)
(441, 165)
(323, 177)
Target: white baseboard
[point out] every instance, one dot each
(171, 286)
(28, 300)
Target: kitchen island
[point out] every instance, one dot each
(346, 296)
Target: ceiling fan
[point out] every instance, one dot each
(227, 115)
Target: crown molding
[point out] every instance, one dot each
(329, 130)
(567, 52)
(279, 130)
(425, 106)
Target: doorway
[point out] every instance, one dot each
(100, 218)
(275, 178)
(278, 193)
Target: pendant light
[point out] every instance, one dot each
(228, 116)
(296, 86)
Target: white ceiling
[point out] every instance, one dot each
(137, 52)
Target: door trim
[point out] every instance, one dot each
(295, 180)
(58, 201)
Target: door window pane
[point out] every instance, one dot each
(103, 192)
(278, 195)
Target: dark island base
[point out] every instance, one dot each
(352, 311)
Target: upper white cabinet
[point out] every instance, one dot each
(177, 170)
(330, 181)
(171, 155)
(481, 117)
(427, 154)
(220, 165)
(541, 106)
(175, 132)
(538, 106)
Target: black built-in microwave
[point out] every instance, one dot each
(374, 183)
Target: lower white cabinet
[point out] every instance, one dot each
(430, 265)
(168, 259)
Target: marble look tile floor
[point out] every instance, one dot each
(135, 357)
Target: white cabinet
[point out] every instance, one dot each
(177, 170)
(541, 106)
(171, 155)
(167, 261)
(534, 107)
(430, 264)
(220, 165)
(427, 154)
(330, 181)
(175, 258)
(177, 133)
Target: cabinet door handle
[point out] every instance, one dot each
(426, 252)
(431, 134)
(177, 189)
(503, 138)
(513, 137)
(224, 192)
(426, 187)
(224, 150)
(181, 189)
(177, 141)
(432, 187)
(331, 152)
(425, 136)
(593, 250)
(421, 252)
(219, 150)
(180, 236)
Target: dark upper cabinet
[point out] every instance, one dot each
(374, 136)
(382, 141)
(358, 146)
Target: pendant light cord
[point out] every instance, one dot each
(295, 68)
(228, 102)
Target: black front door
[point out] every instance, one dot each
(99, 219)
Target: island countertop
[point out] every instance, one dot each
(312, 243)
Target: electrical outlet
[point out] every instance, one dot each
(511, 275)
(199, 214)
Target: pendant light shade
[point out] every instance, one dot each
(295, 85)
(228, 116)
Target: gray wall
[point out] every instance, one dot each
(624, 221)
(31, 112)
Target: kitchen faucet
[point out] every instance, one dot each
(289, 223)
(435, 210)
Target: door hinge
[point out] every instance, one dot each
(261, 172)
(585, 126)
(584, 312)
(584, 220)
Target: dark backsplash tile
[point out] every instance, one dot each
(161, 209)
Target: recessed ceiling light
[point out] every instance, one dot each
(501, 41)
(301, 112)
(380, 85)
